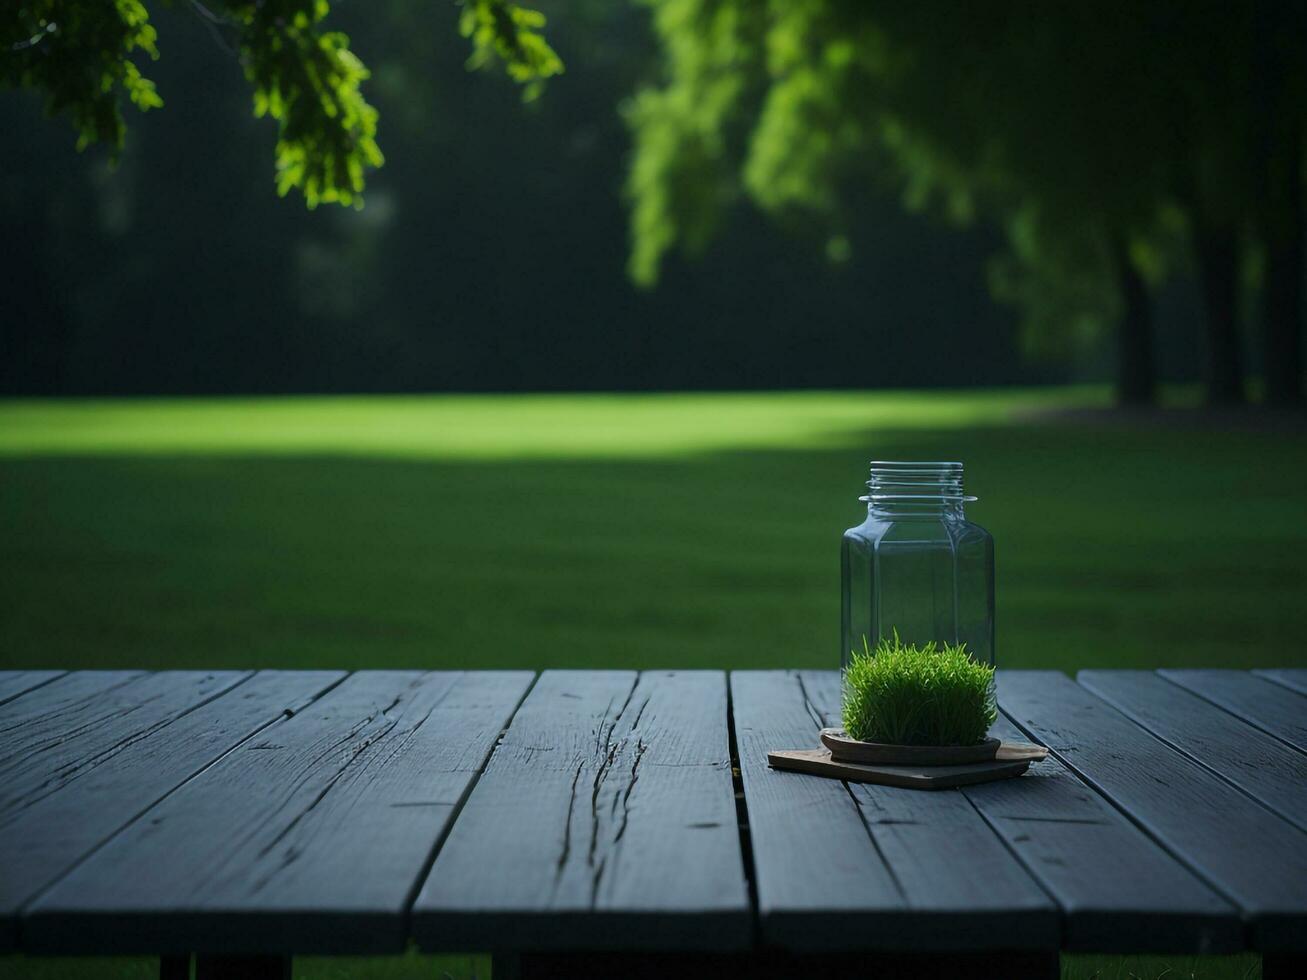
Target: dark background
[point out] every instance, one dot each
(490, 255)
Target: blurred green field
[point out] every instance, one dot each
(619, 530)
(633, 530)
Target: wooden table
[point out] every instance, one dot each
(595, 823)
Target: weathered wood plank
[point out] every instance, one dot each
(1274, 709)
(879, 868)
(16, 682)
(62, 709)
(67, 799)
(1295, 679)
(1118, 890)
(74, 725)
(604, 820)
(819, 879)
(310, 837)
(1262, 766)
(1247, 853)
(63, 734)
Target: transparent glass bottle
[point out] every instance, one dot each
(916, 564)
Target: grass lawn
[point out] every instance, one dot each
(641, 531)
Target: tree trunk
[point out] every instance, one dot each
(1280, 219)
(1218, 265)
(1136, 362)
(37, 330)
(1282, 325)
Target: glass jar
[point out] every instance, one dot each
(916, 565)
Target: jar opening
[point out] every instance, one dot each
(915, 486)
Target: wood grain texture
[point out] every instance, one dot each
(16, 682)
(62, 742)
(68, 729)
(841, 867)
(67, 799)
(1263, 704)
(310, 837)
(1262, 766)
(60, 710)
(604, 820)
(1295, 679)
(1118, 890)
(1244, 851)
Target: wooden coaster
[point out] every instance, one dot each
(818, 762)
(845, 749)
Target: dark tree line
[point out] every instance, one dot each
(1119, 143)
(1103, 154)
(489, 255)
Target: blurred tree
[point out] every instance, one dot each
(1279, 81)
(82, 55)
(1091, 133)
(484, 259)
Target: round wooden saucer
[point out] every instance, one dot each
(845, 749)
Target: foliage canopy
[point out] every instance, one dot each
(83, 55)
(1111, 142)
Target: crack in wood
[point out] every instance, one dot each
(567, 826)
(62, 738)
(23, 720)
(306, 773)
(600, 736)
(620, 799)
(357, 751)
(407, 737)
(24, 683)
(425, 803)
(610, 745)
(351, 767)
(188, 778)
(640, 749)
(639, 714)
(595, 880)
(72, 770)
(808, 703)
(601, 775)
(620, 856)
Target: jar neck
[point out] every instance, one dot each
(915, 491)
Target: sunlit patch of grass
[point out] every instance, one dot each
(487, 427)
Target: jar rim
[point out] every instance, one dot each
(871, 497)
(914, 466)
(913, 481)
